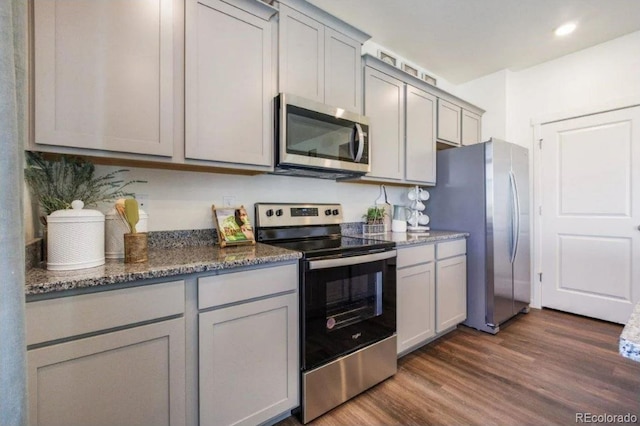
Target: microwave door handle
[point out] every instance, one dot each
(360, 133)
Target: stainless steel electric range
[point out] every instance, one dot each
(347, 302)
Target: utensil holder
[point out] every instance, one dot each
(135, 248)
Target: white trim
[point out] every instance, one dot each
(536, 285)
(620, 103)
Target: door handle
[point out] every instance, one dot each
(360, 134)
(515, 216)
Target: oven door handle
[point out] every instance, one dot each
(352, 260)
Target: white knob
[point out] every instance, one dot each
(77, 205)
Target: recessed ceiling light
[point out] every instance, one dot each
(565, 29)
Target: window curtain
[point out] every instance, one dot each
(13, 79)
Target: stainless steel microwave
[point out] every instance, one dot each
(318, 140)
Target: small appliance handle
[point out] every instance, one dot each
(352, 260)
(360, 133)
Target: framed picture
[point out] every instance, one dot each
(233, 226)
(410, 70)
(388, 58)
(429, 79)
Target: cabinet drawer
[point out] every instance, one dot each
(451, 248)
(87, 313)
(414, 255)
(236, 287)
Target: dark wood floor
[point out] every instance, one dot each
(542, 368)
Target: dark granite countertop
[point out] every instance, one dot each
(403, 239)
(163, 262)
(630, 337)
(169, 257)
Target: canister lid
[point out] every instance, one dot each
(76, 214)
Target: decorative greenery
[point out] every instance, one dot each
(374, 215)
(56, 183)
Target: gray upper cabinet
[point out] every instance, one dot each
(420, 136)
(320, 56)
(471, 127)
(449, 122)
(384, 105)
(229, 83)
(402, 125)
(301, 67)
(103, 75)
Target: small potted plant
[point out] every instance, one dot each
(56, 183)
(374, 220)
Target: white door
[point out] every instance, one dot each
(590, 240)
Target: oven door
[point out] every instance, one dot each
(346, 303)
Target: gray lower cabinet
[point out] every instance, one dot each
(89, 363)
(415, 293)
(431, 292)
(451, 284)
(248, 361)
(218, 348)
(127, 377)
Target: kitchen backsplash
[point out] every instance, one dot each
(178, 200)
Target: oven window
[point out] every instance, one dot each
(354, 299)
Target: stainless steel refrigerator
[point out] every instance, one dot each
(484, 189)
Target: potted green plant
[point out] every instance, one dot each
(374, 215)
(374, 220)
(56, 183)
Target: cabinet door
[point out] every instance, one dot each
(451, 292)
(384, 105)
(249, 361)
(301, 65)
(342, 71)
(229, 86)
(421, 136)
(128, 377)
(416, 305)
(471, 127)
(449, 122)
(104, 75)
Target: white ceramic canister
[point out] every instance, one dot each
(75, 238)
(115, 229)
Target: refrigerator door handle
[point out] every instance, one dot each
(515, 215)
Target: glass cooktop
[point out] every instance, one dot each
(334, 246)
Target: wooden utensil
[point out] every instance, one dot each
(132, 213)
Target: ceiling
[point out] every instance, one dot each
(461, 40)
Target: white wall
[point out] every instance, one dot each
(179, 200)
(582, 82)
(489, 93)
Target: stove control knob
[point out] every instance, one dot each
(269, 213)
(279, 212)
(327, 212)
(335, 212)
